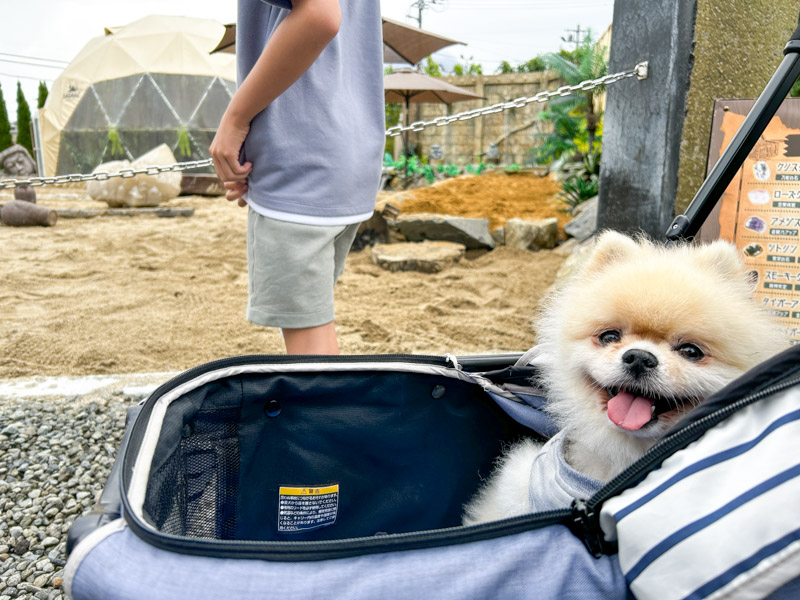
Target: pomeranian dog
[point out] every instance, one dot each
(640, 335)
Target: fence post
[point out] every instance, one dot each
(644, 119)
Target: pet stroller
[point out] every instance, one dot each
(344, 477)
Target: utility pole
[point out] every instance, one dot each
(576, 39)
(421, 5)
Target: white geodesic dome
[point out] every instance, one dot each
(150, 82)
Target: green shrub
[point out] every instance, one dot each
(581, 181)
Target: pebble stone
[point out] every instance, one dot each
(55, 456)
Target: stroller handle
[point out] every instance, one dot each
(686, 226)
(795, 37)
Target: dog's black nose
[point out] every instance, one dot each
(639, 362)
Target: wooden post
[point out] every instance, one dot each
(19, 213)
(477, 140)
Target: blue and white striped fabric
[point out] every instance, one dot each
(720, 518)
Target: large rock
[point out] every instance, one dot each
(580, 253)
(499, 236)
(428, 257)
(583, 226)
(540, 234)
(141, 190)
(472, 233)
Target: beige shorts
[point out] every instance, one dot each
(292, 269)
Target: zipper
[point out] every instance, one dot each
(587, 514)
(289, 551)
(293, 358)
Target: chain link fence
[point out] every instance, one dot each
(639, 71)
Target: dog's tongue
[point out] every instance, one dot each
(630, 412)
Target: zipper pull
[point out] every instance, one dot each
(585, 524)
(452, 359)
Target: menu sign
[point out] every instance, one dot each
(760, 210)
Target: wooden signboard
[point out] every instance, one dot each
(760, 210)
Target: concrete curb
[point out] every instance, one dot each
(138, 385)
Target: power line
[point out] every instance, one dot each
(26, 77)
(30, 64)
(34, 58)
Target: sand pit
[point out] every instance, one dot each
(495, 196)
(142, 294)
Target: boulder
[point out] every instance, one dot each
(427, 257)
(141, 190)
(577, 257)
(472, 233)
(583, 226)
(526, 234)
(499, 236)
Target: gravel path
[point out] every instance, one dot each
(55, 455)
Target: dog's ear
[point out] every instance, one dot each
(610, 247)
(722, 257)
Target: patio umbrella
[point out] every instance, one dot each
(407, 86)
(401, 43)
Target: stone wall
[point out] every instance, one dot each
(469, 140)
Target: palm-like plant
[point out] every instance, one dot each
(587, 62)
(558, 145)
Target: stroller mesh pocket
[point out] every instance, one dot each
(194, 492)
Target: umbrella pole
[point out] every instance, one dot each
(405, 143)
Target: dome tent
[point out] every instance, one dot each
(150, 82)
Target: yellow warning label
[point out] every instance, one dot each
(305, 508)
(308, 491)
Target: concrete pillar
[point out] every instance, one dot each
(656, 132)
(644, 119)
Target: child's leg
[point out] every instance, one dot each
(292, 271)
(311, 340)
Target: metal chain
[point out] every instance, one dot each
(103, 175)
(639, 71)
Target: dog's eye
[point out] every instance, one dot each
(690, 352)
(609, 337)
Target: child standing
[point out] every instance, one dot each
(301, 144)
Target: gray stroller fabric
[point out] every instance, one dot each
(544, 563)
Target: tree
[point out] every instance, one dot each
(5, 125)
(23, 121)
(42, 94)
(534, 65)
(586, 62)
(468, 68)
(505, 68)
(432, 68)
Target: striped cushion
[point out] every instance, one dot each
(720, 518)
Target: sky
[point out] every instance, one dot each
(493, 30)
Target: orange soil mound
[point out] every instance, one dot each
(497, 196)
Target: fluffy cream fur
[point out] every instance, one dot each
(658, 299)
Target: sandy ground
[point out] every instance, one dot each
(149, 294)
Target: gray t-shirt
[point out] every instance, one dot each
(317, 149)
(554, 483)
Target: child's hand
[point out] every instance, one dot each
(225, 150)
(235, 191)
